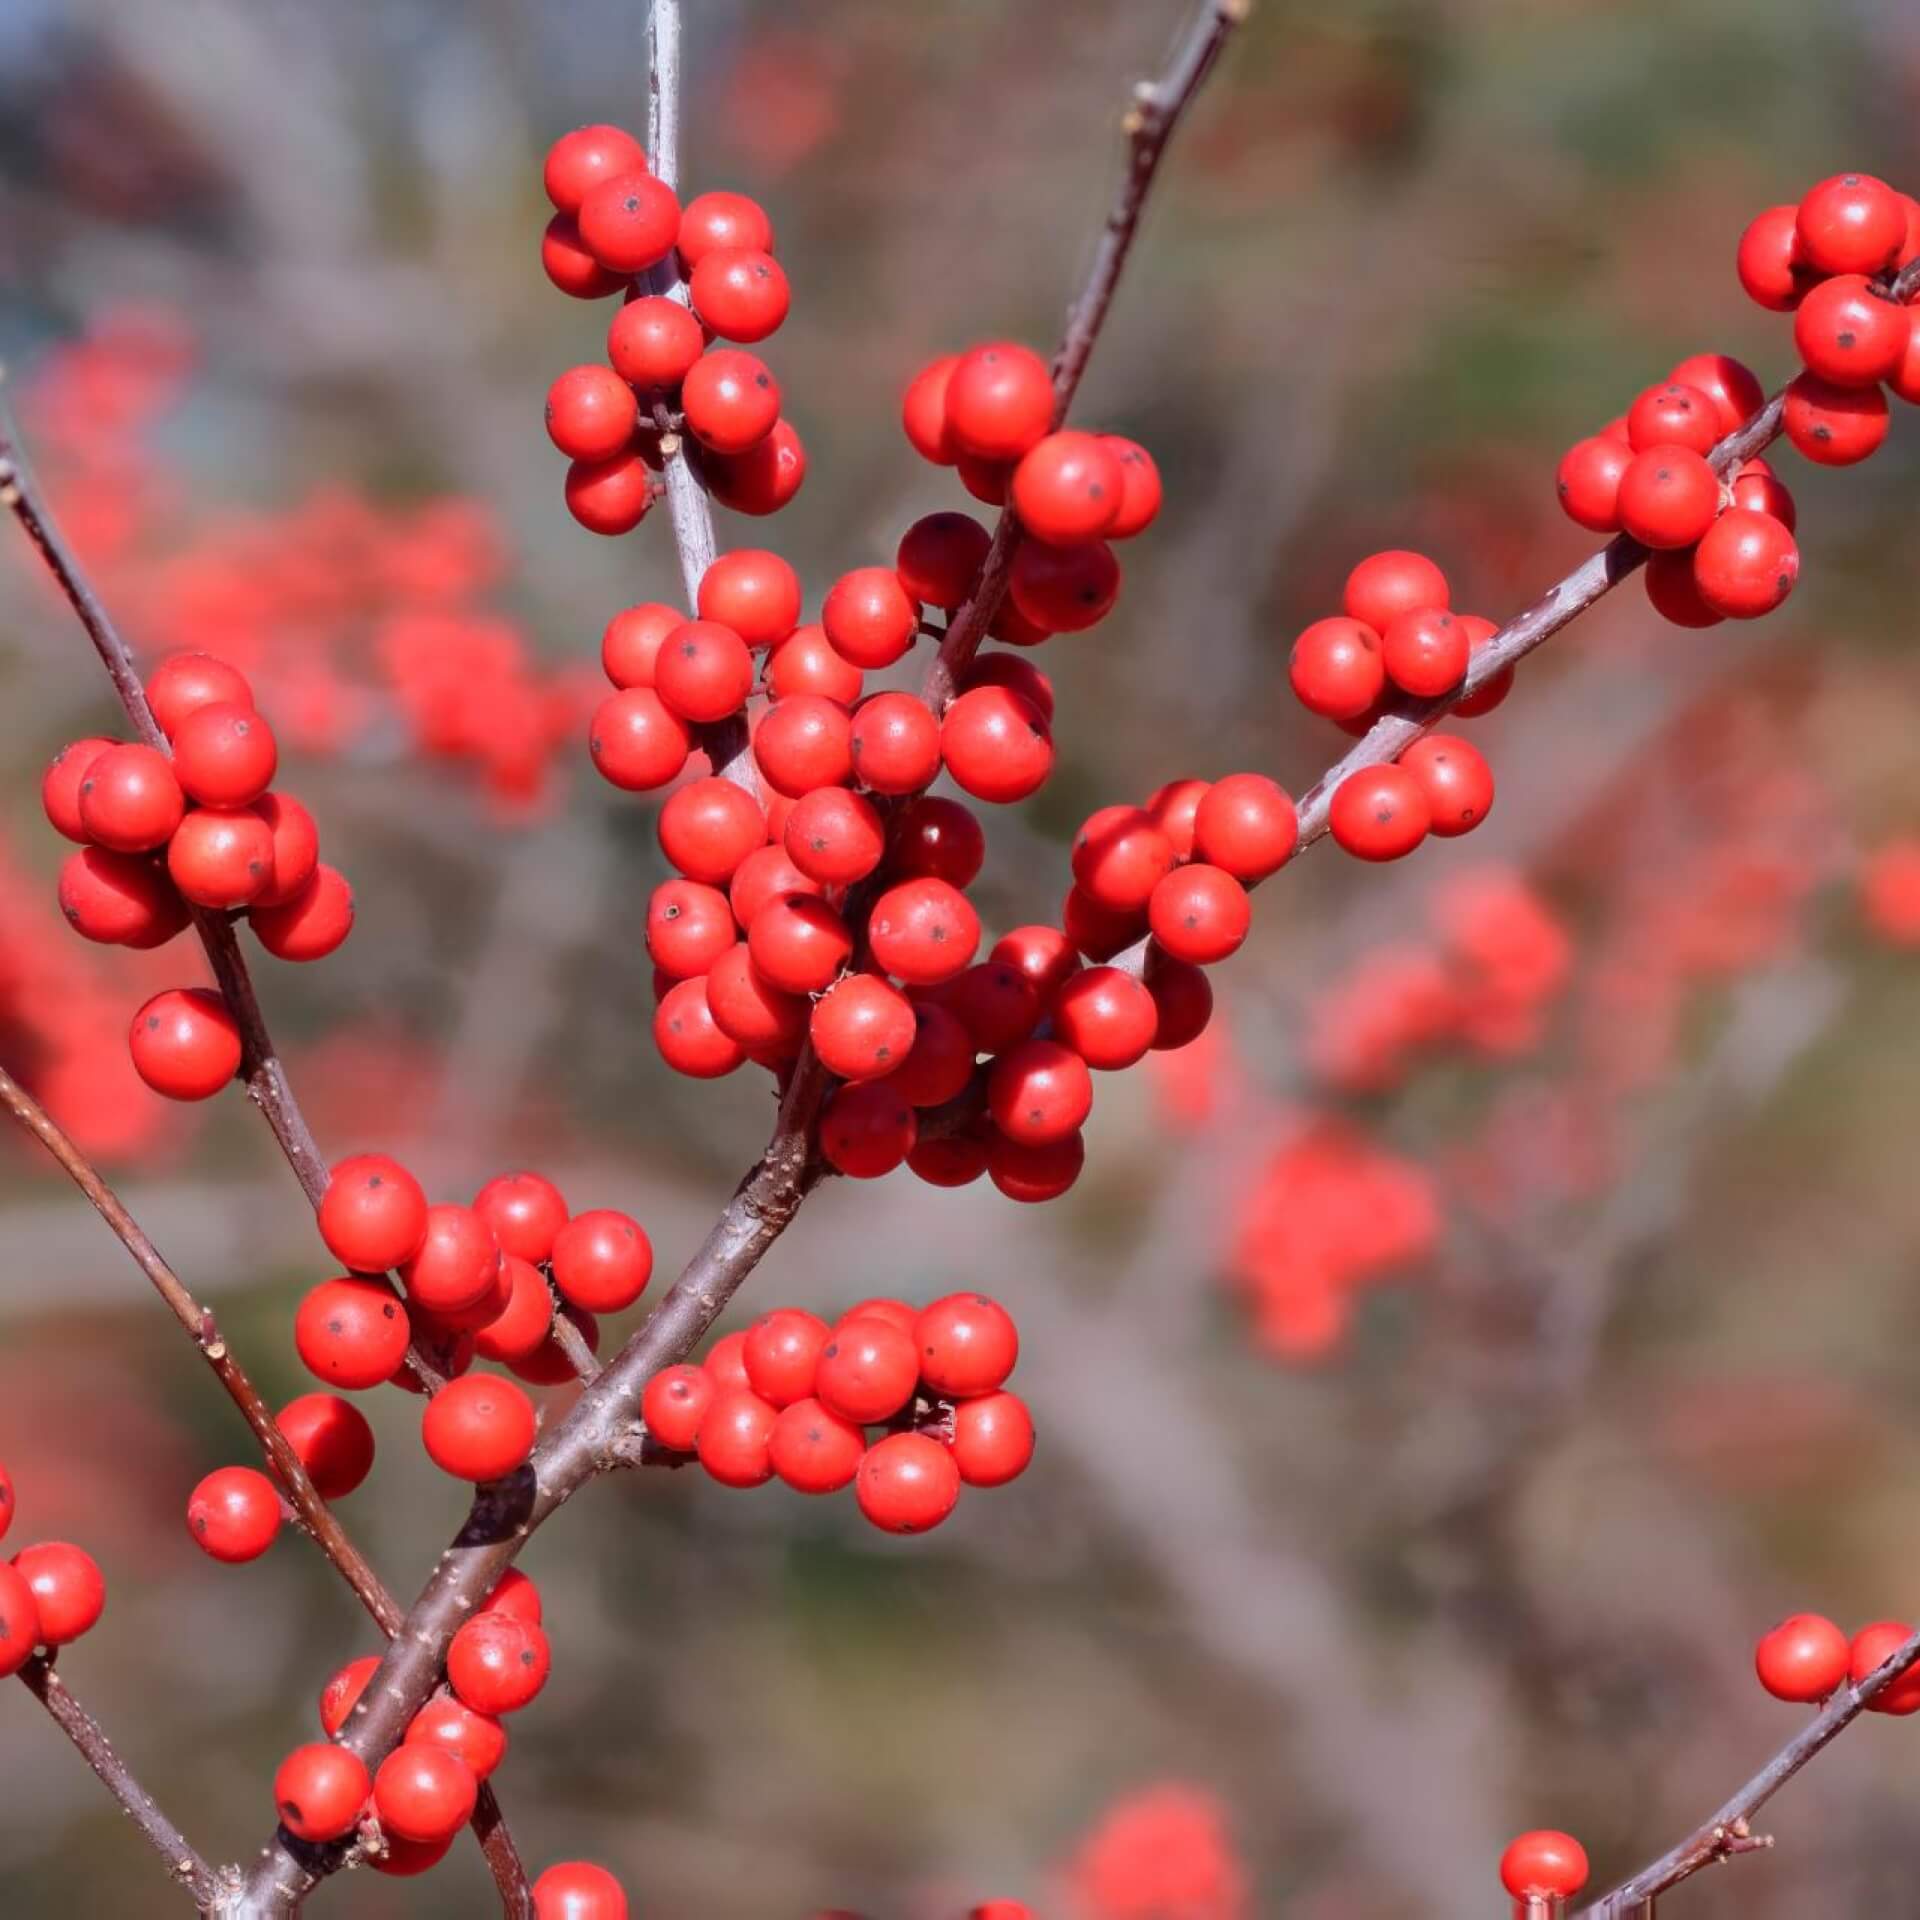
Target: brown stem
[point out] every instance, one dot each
(183, 1863)
(1725, 1831)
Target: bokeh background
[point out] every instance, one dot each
(1444, 1370)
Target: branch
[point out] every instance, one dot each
(317, 1519)
(1157, 108)
(183, 1863)
(1727, 1831)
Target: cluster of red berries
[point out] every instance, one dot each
(1395, 634)
(50, 1593)
(792, 1398)
(1806, 1658)
(616, 221)
(1542, 1870)
(160, 828)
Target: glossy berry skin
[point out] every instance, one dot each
(1848, 334)
(652, 344)
(938, 838)
(352, 1332)
(939, 1063)
(1034, 1174)
(835, 837)
(187, 680)
(424, 1793)
(751, 1010)
(628, 221)
(780, 1352)
(1771, 263)
(802, 743)
(992, 1440)
(868, 1129)
(764, 478)
(1759, 489)
(119, 899)
(129, 799)
(222, 857)
(579, 161)
(19, 1622)
(1851, 223)
(456, 1266)
(332, 1439)
(1455, 777)
(1120, 856)
(1106, 1016)
(1746, 564)
(967, 1344)
(1672, 592)
(69, 1590)
(1100, 932)
(318, 1791)
(233, 1514)
(1905, 378)
(517, 1594)
(373, 1215)
(1140, 487)
(732, 400)
(1336, 669)
(896, 743)
(799, 944)
(295, 843)
(1870, 1648)
(578, 1890)
(896, 1313)
(1804, 1659)
(518, 1332)
(406, 1859)
(703, 672)
(806, 663)
(1200, 914)
(995, 745)
(342, 1692)
(1834, 426)
(907, 1483)
(999, 400)
(1246, 826)
(726, 1363)
(525, 1211)
(477, 1738)
(764, 876)
(498, 1662)
(869, 618)
(479, 1427)
(1733, 387)
(674, 1404)
(1543, 1862)
(1039, 1091)
(637, 741)
(1589, 482)
(591, 413)
(939, 558)
(224, 755)
(734, 1437)
(719, 219)
(1673, 415)
(1064, 589)
(1668, 497)
(996, 1003)
(754, 592)
(740, 292)
(311, 924)
(813, 1450)
(1395, 582)
(609, 497)
(862, 1027)
(1067, 488)
(923, 411)
(1379, 813)
(185, 1044)
(60, 784)
(689, 1039)
(1042, 956)
(868, 1369)
(923, 931)
(708, 827)
(568, 264)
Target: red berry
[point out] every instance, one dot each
(967, 1345)
(185, 1043)
(674, 1404)
(373, 1215)
(1672, 593)
(1100, 932)
(1772, 266)
(1107, 1017)
(222, 857)
(1336, 668)
(731, 399)
(999, 400)
(1673, 415)
(609, 496)
(740, 292)
(1246, 826)
(1746, 564)
(403, 1859)
(1872, 1647)
(1064, 589)
(1851, 223)
(1733, 387)
(120, 899)
(424, 1793)
(478, 1428)
(19, 1622)
(995, 745)
(1668, 497)
(1758, 489)
(1182, 999)
(188, 680)
(1589, 482)
(342, 1693)
(602, 1260)
(318, 1791)
(332, 1439)
(311, 924)
(868, 1369)
(896, 743)
(763, 478)
(718, 219)
(869, 618)
(637, 741)
(628, 221)
(689, 1040)
(992, 1439)
(1849, 334)
(515, 1593)
(130, 799)
(352, 1332)
(923, 411)
(813, 1449)
(750, 1010)
(1035, 1173)
(868, 1129)
(1390, 583)
(1140, 489)
(1120, 856)
(577, 1889)
(579, 161)
(780, 1353)
(734, 1437)
(802, 743)
(907, 1483)
(456, 1266)
(233, 1514)
(799, 944)
(726, 1363)
(807, 663)
(60, 784)
(996, 1003)
(708, 827)
(570, 266)
(703, 671)
(652, 344)
(525, 1211)
(591, 413)
(518, 1332)
(754, 592)
(224, 755)
(498, 1662)
(939, 556)
(1457, 782)
(1834, 426)
(1803, 1659)
(69, 1590)
(1543, 1863)
(1199, 913)
(835, 837)
(1905, 378)
(861, 1027)
(1068, 488)
(1378, 813)
(1039, 1091)
(631, 643)
(939, 1063)
(923, 931)
(477, 1738)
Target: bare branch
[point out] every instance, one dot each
(183, 1863)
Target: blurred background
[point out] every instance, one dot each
(1444, 1369)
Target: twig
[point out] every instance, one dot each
(1157, 108)
(184, 1864)
(573, 1343)
(1727, 1831)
